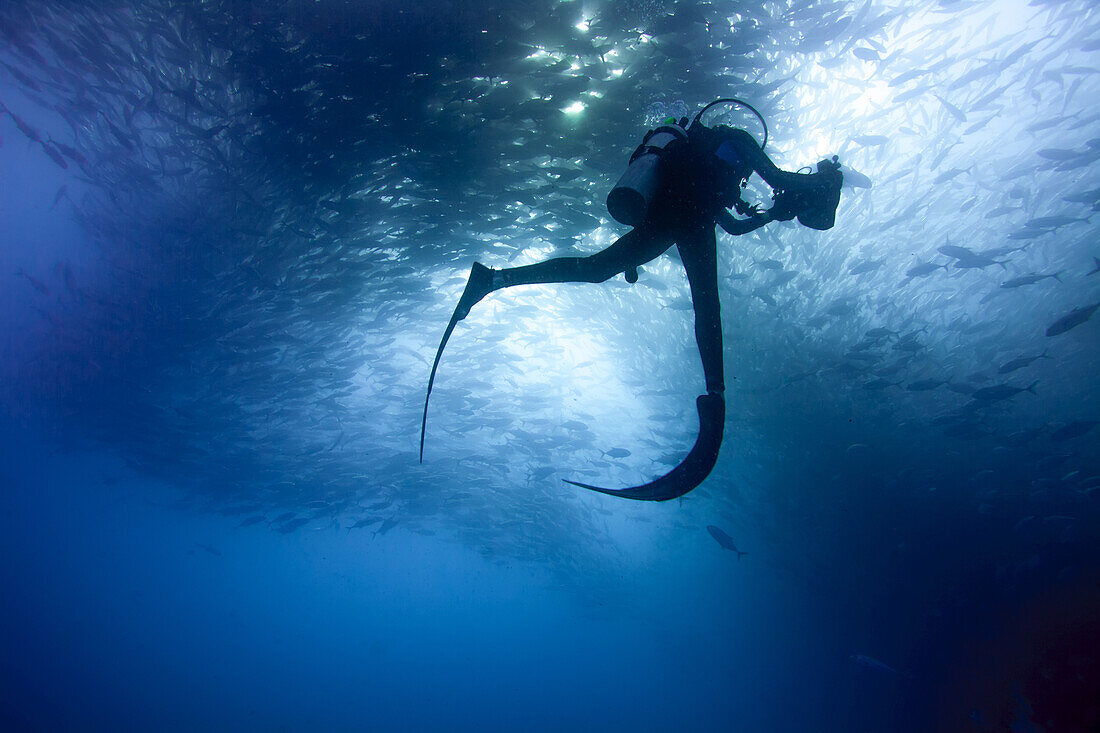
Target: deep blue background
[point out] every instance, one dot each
(229, 313)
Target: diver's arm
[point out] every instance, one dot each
(775, 177)
(737, 227)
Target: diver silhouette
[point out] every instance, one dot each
(679, 184)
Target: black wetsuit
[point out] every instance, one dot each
(698, 187)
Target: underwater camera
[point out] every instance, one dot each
(816, 204)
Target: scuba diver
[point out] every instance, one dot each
(680, 182)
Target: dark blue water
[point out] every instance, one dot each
(231, 237)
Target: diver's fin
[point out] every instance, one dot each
(431, 380)
(692, 470)
(479, 284)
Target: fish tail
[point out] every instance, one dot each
(1031, 387)
(739, 554)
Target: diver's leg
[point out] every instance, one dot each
(633, 249)
(699, 255)
(698, 252)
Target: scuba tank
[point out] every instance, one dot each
(631, 197)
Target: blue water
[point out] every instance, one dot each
(217, 320)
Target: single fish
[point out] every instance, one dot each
(784, 277)
(62, 192)
(923, 385)
(999, 392)
(1020, 363)
(1052, 222)
(865, 266)
(765, 296)
(871, 663)
(1019, 282)
(1029, 234)
(953, 250)
(1075, 429)
(1086, 197)
(908, 344)
(69, 152)
(35, 282)
(1000, 211)
(949, 175)
(923, 270)
(855, 179)
(1073, 319)
(967, 259)
(387, 525)
(870, 141)
(24, 128)
(957, 113)
(55, 156)
(293, 524)
(1057, 154)
(907, 76)
(724, 540)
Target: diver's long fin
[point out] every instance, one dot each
(478, 285)
(431, 380)
(693, 469)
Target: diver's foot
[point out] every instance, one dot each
(478, 286)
